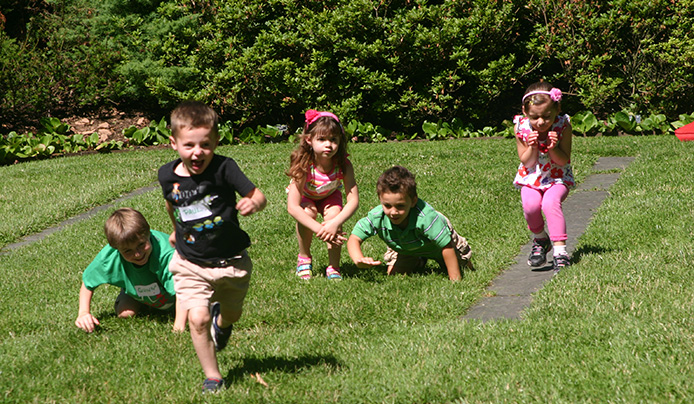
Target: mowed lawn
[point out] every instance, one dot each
(617, 326)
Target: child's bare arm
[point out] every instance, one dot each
(170, 211)
(254, 202)
(528, 153)
(450, 258)
(85, 320)
(332, 225)
(561, 152)
(297, 211)
(354, 249)
(181, 318)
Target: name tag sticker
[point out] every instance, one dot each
(147, 290)
(196, 211)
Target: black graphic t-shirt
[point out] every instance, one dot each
(207, 225)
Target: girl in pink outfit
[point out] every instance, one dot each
(544, 177)
(319, 170)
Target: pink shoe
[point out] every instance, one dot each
(332, 273)
(304, 267)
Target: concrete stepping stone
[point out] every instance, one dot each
(511, 292)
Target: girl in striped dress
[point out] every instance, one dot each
(319, 172)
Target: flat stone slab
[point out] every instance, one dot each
(511, 292)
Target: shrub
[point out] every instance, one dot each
(618, 54)
(397, 62)
(53, 61)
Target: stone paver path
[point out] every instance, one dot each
(511, 292)
(86, 215)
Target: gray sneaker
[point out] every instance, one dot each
(538, 252)
(213, 386)
(561, 262)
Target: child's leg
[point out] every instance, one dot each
(402, 264)
(199, 322)
(552, 208)
(304, 234)
(532, 209)
(334, 251)
(462, 249)
(126, 306)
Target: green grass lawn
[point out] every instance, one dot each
(617, 326)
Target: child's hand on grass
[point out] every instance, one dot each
(87, 322)
(367, 262)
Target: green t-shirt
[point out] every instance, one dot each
(151, 284)
(426, 234)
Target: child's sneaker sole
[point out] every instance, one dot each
(212, 386)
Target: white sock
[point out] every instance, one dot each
(559, 250)
(540, 236)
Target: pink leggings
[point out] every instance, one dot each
(548, 201)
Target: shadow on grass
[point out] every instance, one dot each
(587, 250)
(146, 314)
(373, 274)
(379, 273)
(280, 364)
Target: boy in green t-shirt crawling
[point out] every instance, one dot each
(136, 260)
(411, 228)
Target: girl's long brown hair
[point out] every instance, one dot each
(302, 157)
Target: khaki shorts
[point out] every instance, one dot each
(198, 285)
(407, 263)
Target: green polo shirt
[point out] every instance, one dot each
(151, 284)
(426, 234)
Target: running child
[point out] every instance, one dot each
(544, 177)
(319, 169)
(210, 264)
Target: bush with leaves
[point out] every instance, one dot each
(396, 63)
(634, 55)
(53, 60)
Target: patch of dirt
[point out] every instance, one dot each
(108, 124)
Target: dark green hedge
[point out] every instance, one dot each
(395, 63)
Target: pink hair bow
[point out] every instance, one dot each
(312, 115)
(555, 94)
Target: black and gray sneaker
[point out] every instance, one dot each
(561, 262)
(538, 252)
(220, 336)
(212, 385)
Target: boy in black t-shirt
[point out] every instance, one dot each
(210, 263)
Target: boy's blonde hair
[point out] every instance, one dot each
(194, 114)
(125, 225)
(397, 180)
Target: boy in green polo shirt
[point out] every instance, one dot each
(411, 228)
(136, 260)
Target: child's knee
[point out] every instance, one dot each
(199, 318)
(127, 313)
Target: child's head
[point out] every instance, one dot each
(128, 232)
(397, 192)
(194, 135)
(323, 135)
(541, 104)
